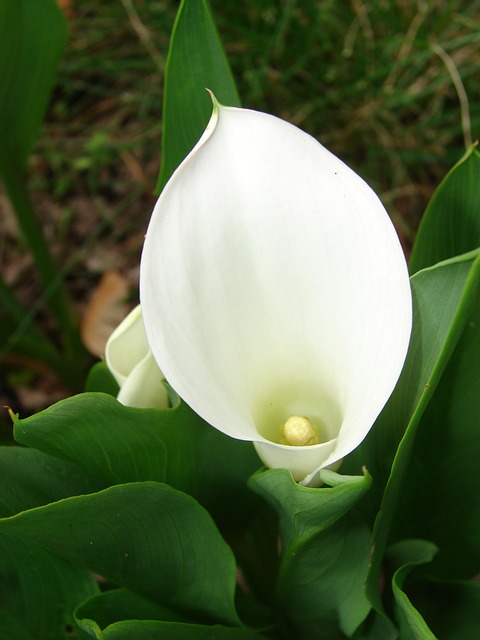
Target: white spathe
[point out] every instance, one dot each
(273, 284)
(131, 363)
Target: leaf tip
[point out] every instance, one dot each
(13, 416)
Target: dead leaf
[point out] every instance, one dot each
(105, 310)
(66, 6)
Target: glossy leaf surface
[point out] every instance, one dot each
(151, 630)
(120, 444)
(148, 537)
(409, 554)
(116, 605)
(30, 478)
(445, 464)
(325, 551)
(443, 300)
(444, 297)
(39, 592)
(451, 223)
(101, 380)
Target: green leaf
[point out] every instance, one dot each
(196, 62)
(325, 550)
(428, 608)
(120, 444)
(443, 299)
(451, 223)
(446, 465)
(147, 537)
(33, 34)
(408, 555)
(30, 478)
(117, 605)
(120, 613)
(304, 511)
(39, 592)
(100, 379)
(152, 630)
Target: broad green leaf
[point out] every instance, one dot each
(30, 478)
(443, 299)
(100, 379)
(147, 537)
(304, 511)
(196, 62)
(120, 444)
(451, 223)
(33, 35)
(408, 555)
(117, 605)
(120, 613)
(446, 465)
(39, 592)
(322, 583)
(325, 549)
(153, 630)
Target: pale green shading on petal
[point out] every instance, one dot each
(287, 289)
(130, 361)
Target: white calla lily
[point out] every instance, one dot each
(273, 285)
(131, 363)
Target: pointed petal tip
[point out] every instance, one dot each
(280, 222)
(215, 102)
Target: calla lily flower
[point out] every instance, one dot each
(131, 363)
(275, 292)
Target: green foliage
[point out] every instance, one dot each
(408, 554)
(449, 608)
(116, 605)
(146, 536)
(443, 297)
(325, 548)
(100, 379)
(153, 629)
(196, 62)
(424, 442)
(173, 446)
(120, 523)
(31, 478)
(448, 436)
(363, 78)
(39, 592)
(33, 35)
(444, 233)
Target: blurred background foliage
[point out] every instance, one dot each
(369, 79)
(390, 86)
